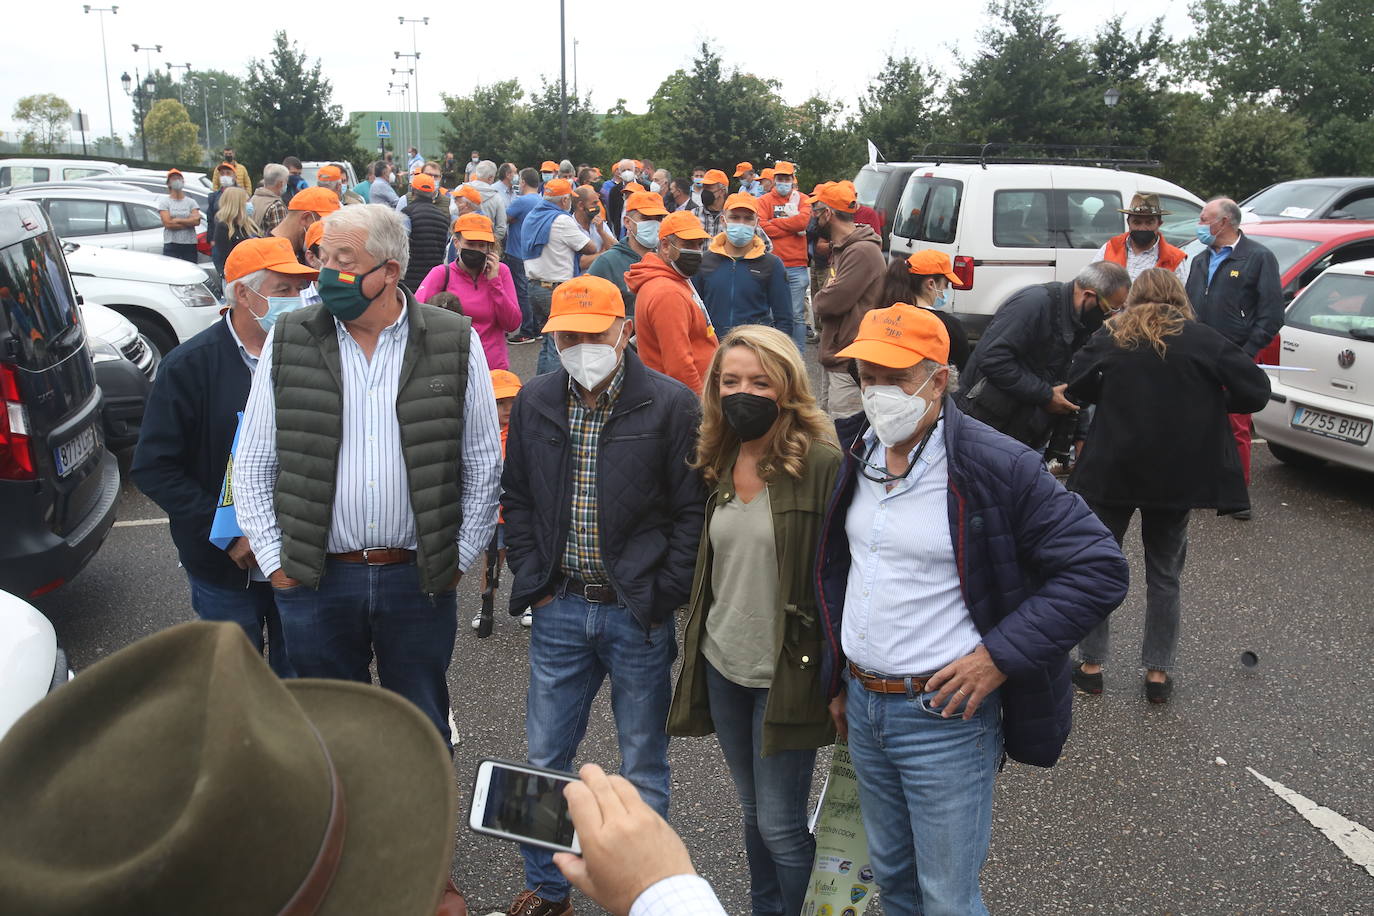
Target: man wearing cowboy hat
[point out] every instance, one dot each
(1141, 246)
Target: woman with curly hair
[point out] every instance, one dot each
(751, 659)
(1160, 442)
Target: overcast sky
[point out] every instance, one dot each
(357, 53)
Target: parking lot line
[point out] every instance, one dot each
(140, 522)
(1353, 839)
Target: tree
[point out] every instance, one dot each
(47, 118)
(171, 135)
(1250, 147)
(626, 134)
(900, 108)
(544, 128)
(288, 111)
(219, 90)
(822, 148)
(489, 119)
(1132, 64)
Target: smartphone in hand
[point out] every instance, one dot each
(524, 804)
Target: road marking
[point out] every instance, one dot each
(1355, 840)
(140, 522)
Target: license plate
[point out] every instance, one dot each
(72, 453)
(1332, 425)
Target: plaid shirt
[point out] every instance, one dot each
(582, 555)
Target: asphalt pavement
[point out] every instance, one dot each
(1151, 810)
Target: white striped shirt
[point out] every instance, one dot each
(371, 495)
(680, 895)
(904, 611)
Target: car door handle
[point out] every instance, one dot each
(117, 246)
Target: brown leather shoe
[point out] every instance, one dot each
(452, 903)
(528, 903)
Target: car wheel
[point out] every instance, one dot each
(161, 339)
(1296, 458)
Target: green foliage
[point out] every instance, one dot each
(900, 112)
(288, 111)
(1133, 64)
(822, 148)
(47, 119)
(218, 90)
(1250, 147)
(623, 133)
(543, 129)
(487, 119)
(171, 135)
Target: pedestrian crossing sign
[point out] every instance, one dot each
(383, 130)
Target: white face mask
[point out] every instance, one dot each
(655, 187)
(226, 181)
(589, 364)
(627, 175)
(893, 413)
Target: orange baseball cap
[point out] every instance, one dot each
(584, 305)
(899, 337)
(633, 187)
(474, 227)
(225, 167)
(741, 200)
(743, 167)
(171, 172)
(319, 200)
(767, 174)
(468, 193)
(683, 224)
(649, 203)
(548, 165)
(557, 187)
(329, 173)
(638, 164)
(715, 176)
(423, 183)
(271, 253)
(784, 168)
(837, 195)
(928, 262)
(314, 233)
(505, 383)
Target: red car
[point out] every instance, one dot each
(1305, 248)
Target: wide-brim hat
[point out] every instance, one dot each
(1145, 205)
(181, 775)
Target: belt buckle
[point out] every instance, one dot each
(367, 561)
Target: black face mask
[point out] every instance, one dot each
(751, 416)
(688, 262)
(811, 231)
(1143, 238)
(822, 231)
(472, 258)
(708, 198)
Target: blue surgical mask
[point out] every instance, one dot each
(1204, 234)
(646, 233)
(739, 234)
(249, 207)
(696, 182)
(942, 300)
(277, 306)
(784, 188)
(546, 175)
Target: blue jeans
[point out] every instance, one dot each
(541, 300)
(360, 610)
(773, 791)
(251, 608)
(921, 775)
(522, 294)
(574, 645)
(798, 280)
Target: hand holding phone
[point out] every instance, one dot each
(516, 801)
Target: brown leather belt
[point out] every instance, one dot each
(888, 684)
(596, 594)
(376, 556)
(546, 284)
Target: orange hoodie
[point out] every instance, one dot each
(787, 232)
(672, 331)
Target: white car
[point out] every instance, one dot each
(31, 663)
(166, 298)
(18, 171)
(112, 336)
(1006, 226)
(1321, 402)
(310, 170)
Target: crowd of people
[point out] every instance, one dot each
(932, 575)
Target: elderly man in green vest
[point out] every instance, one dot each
(368, 467)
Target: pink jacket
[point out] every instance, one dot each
(491, 304)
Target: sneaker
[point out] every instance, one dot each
(477, 621)
(1243, 515)
(523, 338)
(1058, 468)
(1088, 683)
(528, 903)
(527, 618)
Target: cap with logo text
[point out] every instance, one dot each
(584, 305)
(899, 337)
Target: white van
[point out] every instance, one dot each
(311, 170)
(1007, 226)
(32, 171)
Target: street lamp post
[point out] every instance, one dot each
(403, 90)
(205, 107)
(415, 53)
(139, 89)
(101, 11)
(415, 73)
(1110, 98)
(414, 137)
(563, 73)
(180, 85)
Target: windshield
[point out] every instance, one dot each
(867, 184)
(1290, 200)
(1287, 252)
(929, 211)
(38, 302)
(1335, 304)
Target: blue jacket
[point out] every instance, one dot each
(183, 447)
(1038, 571)
(534, 229)
(748, 290)
(516, 212)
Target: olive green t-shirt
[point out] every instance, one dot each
(740, 626)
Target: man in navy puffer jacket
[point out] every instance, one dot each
(954, 575)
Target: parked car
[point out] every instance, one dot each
(166, 298)
(1321, 403)
(58, 483)
(125, 365)
(1006, 226)
(309, 171)
(32, 664)
(1312, 198)
(153, 184)
(879, 185)
(20, 171)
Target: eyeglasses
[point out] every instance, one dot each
(884, 475)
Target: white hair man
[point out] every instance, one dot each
(493, 201)
(332, 177)
(365, 535)
(266, 204)
(188, 430)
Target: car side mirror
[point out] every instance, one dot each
(1340, 214)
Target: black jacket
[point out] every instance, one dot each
(651, 503)
(1244, 300)
(1160, 438)
(221, 243)
(1023, 354)
(428, 238)
(183, 448)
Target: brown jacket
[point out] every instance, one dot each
(854, 285)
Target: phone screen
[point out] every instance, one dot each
(529, 805)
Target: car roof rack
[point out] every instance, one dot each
(985, 154)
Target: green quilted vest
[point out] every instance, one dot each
(308, 387)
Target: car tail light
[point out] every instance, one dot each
(202, 243)
(52, 586)
(16, 456)
(963, 269)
